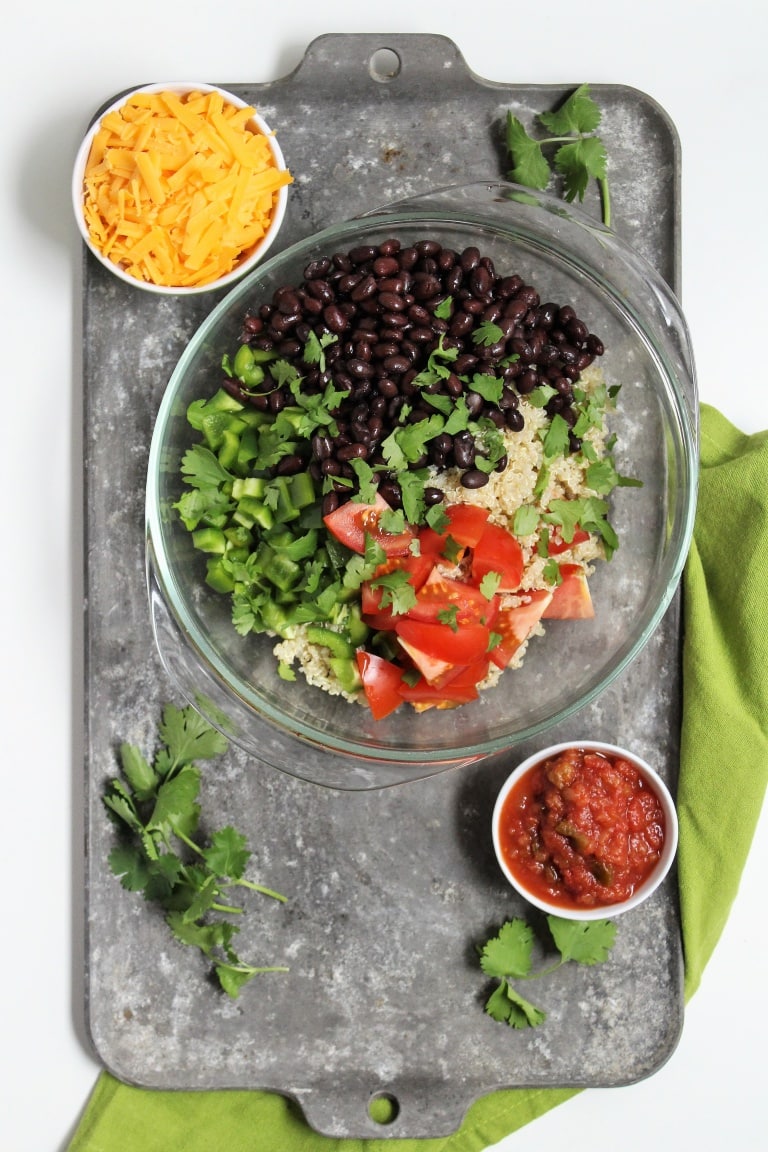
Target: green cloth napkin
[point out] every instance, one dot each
(723, 772)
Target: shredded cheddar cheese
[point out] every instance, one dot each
(178, 189)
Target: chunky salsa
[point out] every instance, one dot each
(582, 829)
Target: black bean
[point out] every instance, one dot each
(480, 281)
(362, 254)
(386, 266)
(470, 258)
(464, 449)
(474, 478)
(396, 365)
(289, 465)
(322, 446)
(335, 318)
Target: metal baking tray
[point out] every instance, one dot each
(391, 891)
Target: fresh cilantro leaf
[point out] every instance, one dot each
(585, 941)
(189, 736)
(437, 519)
(526, 520)
(556, 438)
(128, 863)
(206, 937)
(452, 550)
(459, 419)
(407, 443)
(397, 591)
(227, 855)
(163, 875)
(590, 512)
(489, 387)
(202, 901)
(175, 807)
(529, 165)
(522, 1014)
(449, 616)
(142, 778)
(314, 348)
(541, 395)
(567, 515)
(509, 953)
(411, 485)
(366, 480)
(392, 521)
(487, 333)
(285, 671)
(578, 163)
(443, 404)
(498, 1004)
(444, 308)
(489, 584)
(234, 979)
(551, 572)
(602, 477)
(578, 114)
(201, 468)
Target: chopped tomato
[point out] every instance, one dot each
(422, 692)
(515, 625)
(465, 603)
(434, 669)
(418, 569)
(570, 599)
(462, 646)
(352, 521)
(556, 544)
(458, 686)
(381, 683)
(498, 551)
(466, 525)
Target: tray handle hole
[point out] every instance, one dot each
(383, 1108)
(384, 65)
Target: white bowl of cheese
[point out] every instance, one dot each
(179, 188)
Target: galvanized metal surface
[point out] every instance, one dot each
(389, 891)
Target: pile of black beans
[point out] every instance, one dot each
(380, 303)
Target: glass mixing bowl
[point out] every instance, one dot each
(302, 730)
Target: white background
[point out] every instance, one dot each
(704, 62)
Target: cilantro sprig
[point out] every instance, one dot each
(155, 805)
(508, 957)
(578, 154)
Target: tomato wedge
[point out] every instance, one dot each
(458, 686)
(381, 683)
(465, 645)
(498, 551)
(434, 669)
(466, 526)
(418, 569)
(442, 594)
(515, 625)
(571, 599)
(556, 544)
(352, 521)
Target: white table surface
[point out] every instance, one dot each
(705, 64)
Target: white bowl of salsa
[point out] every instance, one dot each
(585, 830)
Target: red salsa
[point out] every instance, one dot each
(582, 829)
